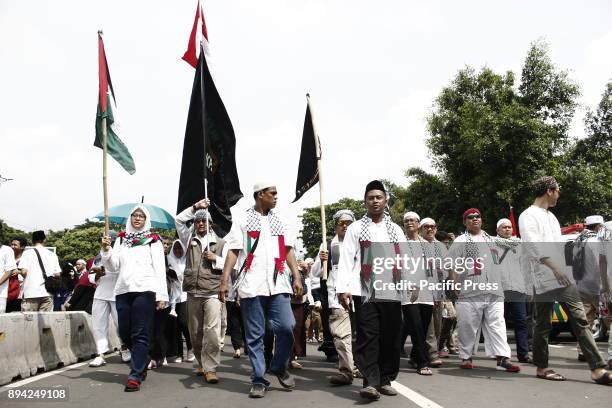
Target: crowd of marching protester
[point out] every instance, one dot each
(174, 302)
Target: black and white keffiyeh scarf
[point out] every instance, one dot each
(254, 222)
(364, 233)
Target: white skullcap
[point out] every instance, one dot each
(81, 261)
(427, 221)
(503, 221)
(262, 185)
(309, 261)
(594, 219)
(412, 214)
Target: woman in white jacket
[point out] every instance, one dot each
(138, 256)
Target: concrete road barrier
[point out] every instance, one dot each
(42, 341)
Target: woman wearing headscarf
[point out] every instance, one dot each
(138, 255)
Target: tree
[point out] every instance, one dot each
(311, 222)
(489, 140)
(8, 233)
(586, 179)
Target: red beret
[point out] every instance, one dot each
(471, 211)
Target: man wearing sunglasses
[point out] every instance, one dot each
(480, 302)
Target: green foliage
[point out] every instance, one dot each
(311, 222)
(8, 233)
(489, 140)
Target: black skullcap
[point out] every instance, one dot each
(375, 185)
(38, 236)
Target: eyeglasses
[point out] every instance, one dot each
(429, 226)
(473, 217)
(344, 223)
(138, 215)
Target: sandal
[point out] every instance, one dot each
(551, 375)
(424, 371)
(435, 363)
(605, 379)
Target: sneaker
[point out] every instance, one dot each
(237, 353)
(506, 365)
(257, 391)
(132, 385)
(190, 356)
(164, 363)
(295, 364)
(285, 379)
(98, 362)
(467, 364)
(177, 359)
(341, 379)
(126, 356)
(211, 377)
(370, 393)
(387, 390)
(152, 365)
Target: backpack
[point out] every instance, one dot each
(575, 253)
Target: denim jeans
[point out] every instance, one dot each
(276, 310)
(135, 311)
(515, 308)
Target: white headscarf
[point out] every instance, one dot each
(177, 264)
(147, 225)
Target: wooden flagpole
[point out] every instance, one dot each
(203, 101)
(321, 200)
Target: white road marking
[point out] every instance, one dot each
(43, 376)
(414, 396)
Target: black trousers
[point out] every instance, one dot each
(377, 353)
(234, 325)
(416, 319)
(328, 340)
(159, 345)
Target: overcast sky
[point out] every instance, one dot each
(373, 69)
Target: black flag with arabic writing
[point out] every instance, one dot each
(308, 172)
(208, 124)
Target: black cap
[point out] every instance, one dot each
(38, 236)
(375, 185)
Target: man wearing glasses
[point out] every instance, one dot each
(203, 268)
(541, 233)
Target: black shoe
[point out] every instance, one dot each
(581, 357)
(257, 391)
(285, 379)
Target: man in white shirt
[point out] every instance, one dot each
(377, 353)
(35, 296)
(7, 268)
(205, 256)
(541, 234)
(262, 245)
(481, 298)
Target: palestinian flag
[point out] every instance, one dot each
(106, 108)
(197, 37)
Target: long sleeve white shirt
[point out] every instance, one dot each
(541, 235)
(349, 265)
(141, 268)
(105, 286)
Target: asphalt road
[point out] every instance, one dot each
(175, 386)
